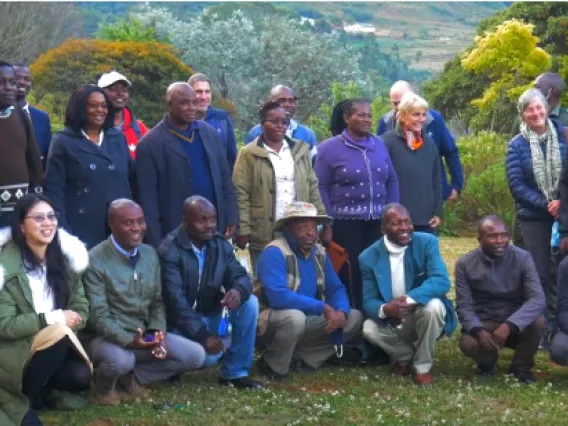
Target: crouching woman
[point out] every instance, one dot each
(42, 306)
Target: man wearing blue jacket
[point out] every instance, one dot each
(405, 282)
(217, 118)
(305, 315)
(287, 99)
(437, 130)
(40, 119)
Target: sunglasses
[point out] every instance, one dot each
(39, 218)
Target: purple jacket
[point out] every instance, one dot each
(356, 179)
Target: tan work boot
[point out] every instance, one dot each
(110, 398)
(131, 384)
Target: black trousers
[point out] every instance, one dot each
(58, 367)
(355, 236)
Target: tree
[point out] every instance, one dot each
(29, 29)
(418, 55)
(150, 67)
(123, 30)
(245, 58)
(511, 58)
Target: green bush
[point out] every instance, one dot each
(486, 190)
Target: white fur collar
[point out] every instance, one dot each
(73, 249)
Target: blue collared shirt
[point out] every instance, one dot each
(201, 256)
(121, 250)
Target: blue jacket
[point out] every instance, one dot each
(272, 274)
(437, 130)
(531, 202)
(220, 120)
(302, 133)
(42, 130)
(164, 181)
(425, 273)
(82, 179)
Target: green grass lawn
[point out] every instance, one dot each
(353, 396)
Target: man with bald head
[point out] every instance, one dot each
(207, 292)
(127, 323)
(438, 131)
(180, 157)
(287, 99)
(499, 302)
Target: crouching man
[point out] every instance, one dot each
(308, 317)
(405, 282)
(208, 293)
(127, 316)
(499, 302)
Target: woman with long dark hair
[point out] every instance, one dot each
(356, 180)
(88, 166)
(42, 305)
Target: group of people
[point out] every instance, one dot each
(342, 237)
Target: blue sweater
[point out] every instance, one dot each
(272, 273)
(220, 120)
(436, 128)
(200, 173)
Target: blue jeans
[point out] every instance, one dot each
(239, 353)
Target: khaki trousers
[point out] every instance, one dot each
(415, 340)
(292, 334)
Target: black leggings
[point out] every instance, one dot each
(58, 367)
(355, 235)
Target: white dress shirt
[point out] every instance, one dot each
(283, 165)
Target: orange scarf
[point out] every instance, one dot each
(414, 141)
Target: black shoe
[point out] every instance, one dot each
(523, 376)
(484, 370)
(299, 366)
(31, 419)
(175, 380)
(265, 370)
(241, 383)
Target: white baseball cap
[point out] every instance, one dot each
(109, 78)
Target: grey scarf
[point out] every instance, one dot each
(547, 162)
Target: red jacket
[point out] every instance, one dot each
(130, 132)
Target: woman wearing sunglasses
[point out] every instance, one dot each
(42, 305)
(271, 171)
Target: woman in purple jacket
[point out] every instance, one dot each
(356, 180)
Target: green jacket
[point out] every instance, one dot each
(19, 322)
(123, 299)
(255, 185)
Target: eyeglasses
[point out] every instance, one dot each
(39, 218)
(276, 122)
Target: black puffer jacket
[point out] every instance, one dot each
(182, 287)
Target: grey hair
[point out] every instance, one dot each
(280, 87)
(198, 77)
(389, 208)
(529, 96)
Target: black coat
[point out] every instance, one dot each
(182, 287)
(82, 179)
(164, 180)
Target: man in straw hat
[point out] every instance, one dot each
(307, 317)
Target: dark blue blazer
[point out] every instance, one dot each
(164, 181)
(42, 130)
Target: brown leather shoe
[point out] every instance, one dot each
(425, 379)
(131, 385)
(400, 369)
(111, 398)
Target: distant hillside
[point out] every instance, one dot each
(425, 34)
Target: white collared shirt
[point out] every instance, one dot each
(26, 107)
(283, 165)
(101, 137)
